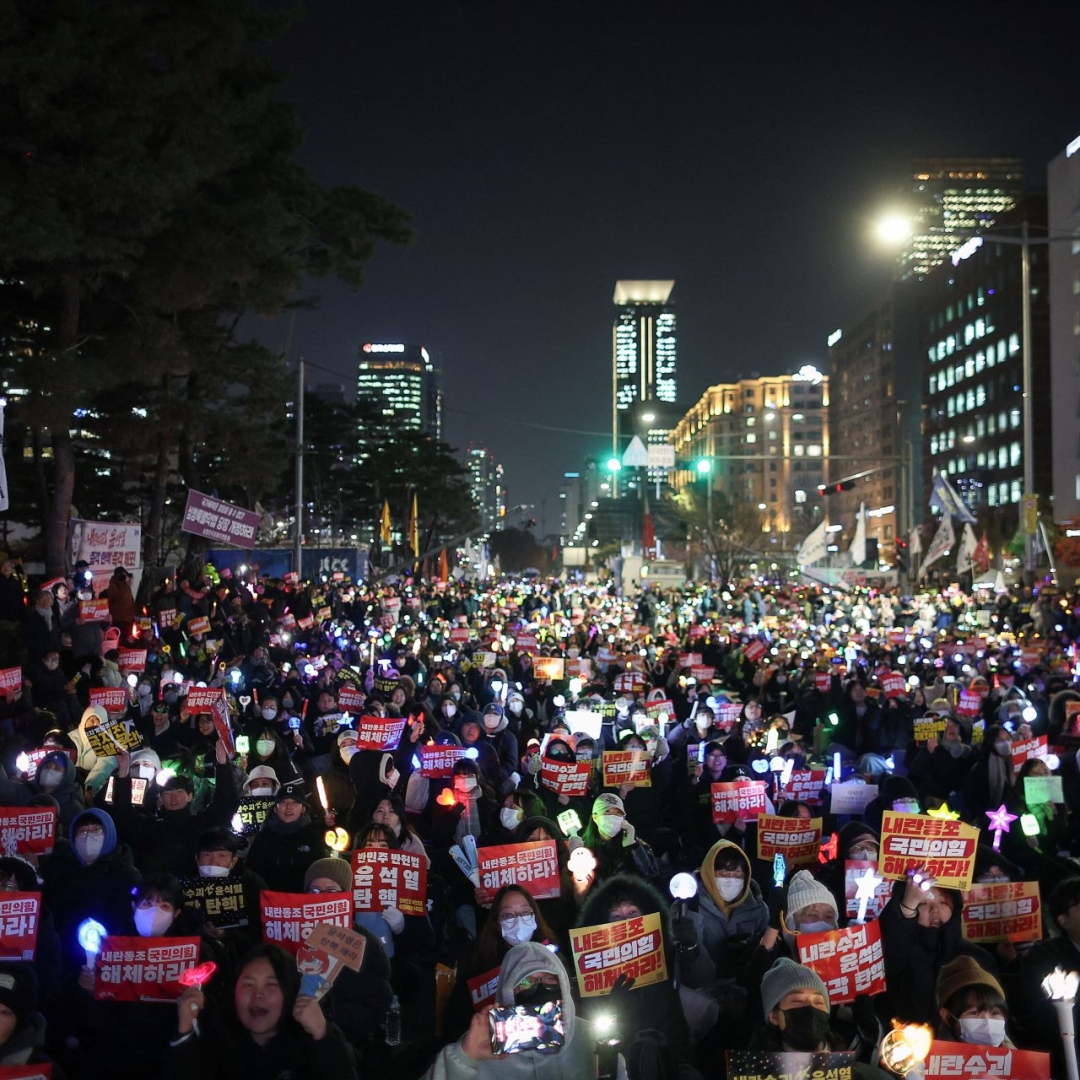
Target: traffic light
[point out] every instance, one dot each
(834, 489)
(902, 555)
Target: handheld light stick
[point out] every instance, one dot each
(779, 870)
(837, 768)
(320, 787)
(906, 1047)
(1060, 987)
(337, 839)
(683, 888)
(999, 823)
(866, 887)
(91, 935)
(22, 763)
(198, 975)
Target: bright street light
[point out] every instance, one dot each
(614, 464)
(893, 228)
(648, 417)
(704, 466)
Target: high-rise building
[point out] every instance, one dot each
(644, 352)
(1063, 191)
(767, 441)
(487, 485)
(947, 199)
(404, 384)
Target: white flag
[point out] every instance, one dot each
(814, 547)
(915, 544)
(965, 556)
(857, 551)
(4, 499)
(942, 543)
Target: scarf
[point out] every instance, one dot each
(469, 822)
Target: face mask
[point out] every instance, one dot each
(491, 723)
(511, 817)
(465, 783)
(729, 888)
(152, 921)
(818, 927)
(269, 714)
(609, 825)
(1003, 748)
(50, 778)
(89, 847)
(455, 694)
(449, 709)
(262, 789)
(515, 707)
(906, 806)
(347, 750)
(985, 1032)
(143, 690)
(805, 1028)
(213, 870)
(954, 746)
(264, 747)
(520, 931)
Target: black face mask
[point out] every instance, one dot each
(805, 1028)
(540, 994)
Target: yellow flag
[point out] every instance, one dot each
(414, 529)
(384, 525)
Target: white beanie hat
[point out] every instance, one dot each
(805, 890)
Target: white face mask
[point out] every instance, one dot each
(449, 709)
(511, 817)
(1003, 748)
(983, 1031)
(89, 847)
(152, 921)
(730, 888)
(269, 713)
(609, 825)
(347, 750)
(264, 747)
(213, 870)
(50, 778)
(518, 932)
(262, 789)
(144, 690)
(515, 707)
(465, 783)
(905, 806)
(818, 927)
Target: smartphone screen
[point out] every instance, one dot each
(526, 1027)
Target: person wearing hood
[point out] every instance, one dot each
(530, 975)
(504, 743)
(288, 843)
(22, 1027)
(56, 778)
(17, 875)
(795, 1003)
(941, 765)
(650, 1019)
(611, 837)
(90, 877)
(856, 842)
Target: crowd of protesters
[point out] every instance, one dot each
(942, 702)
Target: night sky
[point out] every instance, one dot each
(545, 150)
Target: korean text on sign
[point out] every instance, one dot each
(30, 831)
(798, 841)
(632, 947)
(849, 961)
(288, 917)
(143, 969)
(790, 1065)
(439, 761)
(379, 732)
(384, 878)
(534, 866)
(482, 989)
(221, 900)
(913, 841)
(632, 767)
(569, 778)
(1009, 911)
(804, 786)
(735, 799)
(107, 740)
(963, 1061)
(20, 915)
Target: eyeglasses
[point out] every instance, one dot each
(92, 830)
(512, 918)
(531, 982)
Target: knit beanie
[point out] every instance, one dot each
(805, 890)
(18, 989)
(783, 977)
(337, 870)
(961, 973)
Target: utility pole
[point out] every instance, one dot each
(298, 540)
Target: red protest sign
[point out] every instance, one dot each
(482, 988)
(526, 643)
(970, 703)
(534, 866)
(702, 672)
(131, 659)
(350, 698)
(570, 778)
(379, 732)
(697, 632)
(657, 710)
(804, 786)
(201, 699)
(893, 685)
(201, 625)
(549, 668)
(632, 947)
(384, 878)
(20, 916)
(735, 799)
(849, 961)
(754, 651)
(459, 634)
(632, 767)
(113, 699)
(689, 659)
(822, 682)
(945, 848)
(288, 918)
(629, 682)
(727, 713)
(27, 831)
(217, 520)
(438, 762)
(143, 969)
(220, 713)
(26, 1072)
(1009, 911)
(36, 757)
(306, 622)
(167, 617)
(853, 870)
(967, 1061)
(93, 611)
(10, 680)
(797, 840)
(1029, 748)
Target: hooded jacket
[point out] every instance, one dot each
(722, 926)
(67, 793)
(575, 1061)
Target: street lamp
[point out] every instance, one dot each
(704, 468)
(614, 465)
